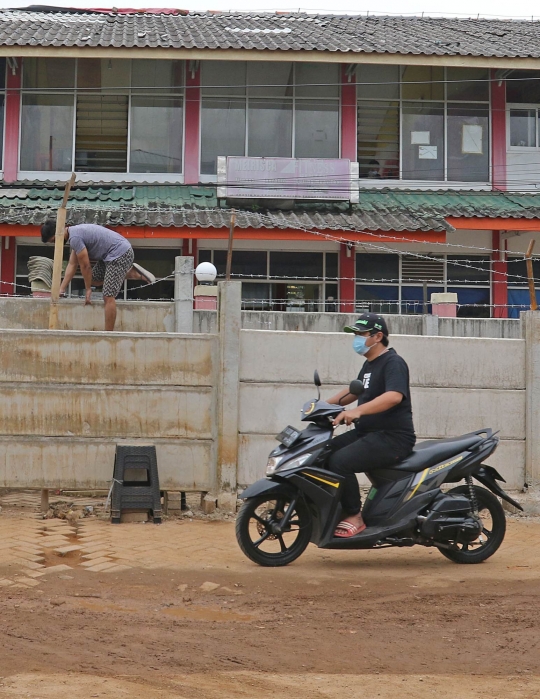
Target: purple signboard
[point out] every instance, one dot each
(285, 178)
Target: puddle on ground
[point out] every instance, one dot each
(207, 614)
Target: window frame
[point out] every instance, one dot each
(84, 175)
(3, 92)
(400, 100)
(513, 106)
(246, 97)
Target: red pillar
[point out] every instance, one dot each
(498, 133)
(192, 123)
(348, 115)
(347, 274)
(7, 268)
(189, 248)
(13, 111)
(499, 277)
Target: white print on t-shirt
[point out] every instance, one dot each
(366, 379)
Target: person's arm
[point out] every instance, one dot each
(86, 271)
(378, 405)
(342, 398)
(71, 270)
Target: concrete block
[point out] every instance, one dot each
(208, 503)
(65, 550)
(130, 517)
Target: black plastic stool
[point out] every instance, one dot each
(136, 482)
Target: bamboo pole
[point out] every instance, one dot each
(230, 248)
(530, 276)
(59, 255)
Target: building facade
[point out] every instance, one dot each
(381, 158)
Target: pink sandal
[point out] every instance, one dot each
(348, 529)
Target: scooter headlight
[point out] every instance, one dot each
(274, 463)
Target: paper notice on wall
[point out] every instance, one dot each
(471, 139)
(420, 138)
(427, 152)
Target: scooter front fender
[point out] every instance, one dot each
(266, 486)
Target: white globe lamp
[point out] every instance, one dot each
(206, 272)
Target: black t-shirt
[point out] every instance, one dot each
(388, 372)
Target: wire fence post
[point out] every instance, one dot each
(530, 275)
(59, 255)
(229, 249)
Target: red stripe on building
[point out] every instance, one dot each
(192, 123)
(498, 132)
(7, 266)
(348, 115)
(13, 111)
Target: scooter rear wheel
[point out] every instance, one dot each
(254, 530)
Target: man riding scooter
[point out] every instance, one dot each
(384, 432)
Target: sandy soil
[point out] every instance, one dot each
(392, 623)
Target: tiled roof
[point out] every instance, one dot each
(179, 206)
(275, 32)
(28, 203)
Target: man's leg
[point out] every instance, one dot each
(110, 312)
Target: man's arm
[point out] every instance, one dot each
(86, 271)
(378, 405)
(71, 270)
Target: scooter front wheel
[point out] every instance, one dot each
(256, 525)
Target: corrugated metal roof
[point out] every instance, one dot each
(269, 31)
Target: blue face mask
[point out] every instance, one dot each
(359, 345)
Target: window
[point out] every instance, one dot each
(423, 123)
(268, 109)
(2, 105)
(523, 128)
(102, 115)
(270, 279)
(389, 283)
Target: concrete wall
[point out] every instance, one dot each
(458, 385)
(158, 316)
(67, 398)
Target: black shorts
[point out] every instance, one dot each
(113, 273)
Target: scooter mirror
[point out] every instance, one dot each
(316, 378)
(356, 387)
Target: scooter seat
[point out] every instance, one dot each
(432, 452)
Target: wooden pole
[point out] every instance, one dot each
(229, 249)
(59, 255)
(530, 275)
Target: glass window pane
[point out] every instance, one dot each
(380, 82)
(523, 87)
(377, 267)
(205, 256)
(255, 296)
(331, 266)
(472, 303)
(317, 129)
(270, 128)
(166, 76)
(317, 80)
(244, 262)
(48, 72)
(101, 133)
(156, 134)
(523, 128)
(223, 78)
(46, 132)
(2, 101)
(469, 84)
(378, 139)
(223, 131)
(468, 143)
(293, 264)
(423, 141)
(270, 79)
(109, 73)
(460, 274)
(422, 83)
(377, 299)
(2, 73)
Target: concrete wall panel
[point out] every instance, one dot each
(434, 361)
(87, 411)
(36, 462)
(105, 358)
(268, 408)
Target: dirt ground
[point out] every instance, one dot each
(139, 610)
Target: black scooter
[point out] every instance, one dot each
(299, 500)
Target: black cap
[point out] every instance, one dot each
(368, 322)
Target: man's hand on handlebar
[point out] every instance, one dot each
(348, 416)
